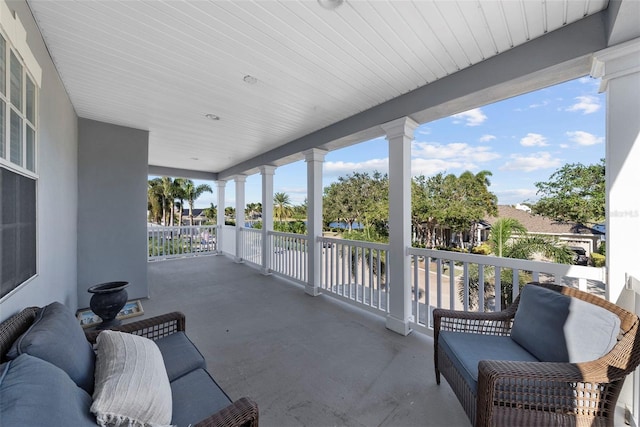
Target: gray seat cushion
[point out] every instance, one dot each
(57, 337)
(467, 349)
(180, 355)
(195, 397)
(559, 328)
(36, 393)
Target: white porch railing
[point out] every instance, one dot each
(251, 245)
(289, 255)
(355, 271)
(173, 242)
(228, 239)
(450, 280)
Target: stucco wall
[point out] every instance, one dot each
(57, 187)
(112, 198)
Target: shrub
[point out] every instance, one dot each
(598, 260)
(482, 249)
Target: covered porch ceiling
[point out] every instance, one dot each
(285, 76)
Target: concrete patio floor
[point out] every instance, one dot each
(306, 361)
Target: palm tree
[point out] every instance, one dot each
(169, 195)
(508, 239)
(180, 194)
(192, 193)
(155, 200)
(281, 205)
(211, 213)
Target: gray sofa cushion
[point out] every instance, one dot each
(467, 349)
(553, 327)
(180, 355)
(196, 396)
(57, 337)
(36, 393)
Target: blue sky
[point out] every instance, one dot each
(521, 140)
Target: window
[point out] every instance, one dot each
(18, 167)
(17, 230)
(18, 110)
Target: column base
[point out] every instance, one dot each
(398, 326)
(266, 272)
(314, 291)
(238, 260)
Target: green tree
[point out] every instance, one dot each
(211, 213)
(155, 200)
(574, 192)
(191, 193)
(253, 209)
(281, 206)
(359, 197)
(508, 238)
(428, 204)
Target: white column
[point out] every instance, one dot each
(267, 173)
(314, 159)
(399, 134)
(240, 204)
(619, 68)
(220, 215)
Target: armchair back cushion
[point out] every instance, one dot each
(57, 337)
(552, 326)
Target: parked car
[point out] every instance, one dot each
(580, 256)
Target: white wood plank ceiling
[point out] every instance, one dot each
(163, 65)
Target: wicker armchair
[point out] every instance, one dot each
(539, 393)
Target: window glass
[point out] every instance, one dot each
(17, 230)
(31, 149)
(16, 139)
(3, 67)
(30, 107)
(2, 132)
(16, 82)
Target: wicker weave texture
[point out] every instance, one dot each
(13, 327)
(540, 393)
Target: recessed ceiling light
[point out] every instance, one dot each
(250, 79)
(330, 4)
(212, 116)
(194, 158)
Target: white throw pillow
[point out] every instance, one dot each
(131, 384)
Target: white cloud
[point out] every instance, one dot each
(423, 131)
(458, 151)
(540, 160)
(540, 104)
(584, 138)
(564, 145)
(341, 168)
(587, 104)
(473, 117)
(534, 140)
(487, 138)
(430, 167)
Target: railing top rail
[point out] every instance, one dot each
(282, 234)
(251, 230)
(359, 243)
(562, 270)
(178, 227)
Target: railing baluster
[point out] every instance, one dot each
(439, 281)
(465, 273)
(498, 290)
(452, 284)
(480, 287)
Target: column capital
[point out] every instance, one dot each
(240, 178)
(616, 61)
(221, 183)
(404, 126)
(314, 155)
(268, 170)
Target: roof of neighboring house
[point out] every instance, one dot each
(196, 212)
(539, 223)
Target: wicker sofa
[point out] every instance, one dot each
(196, 398)
(556, 356)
